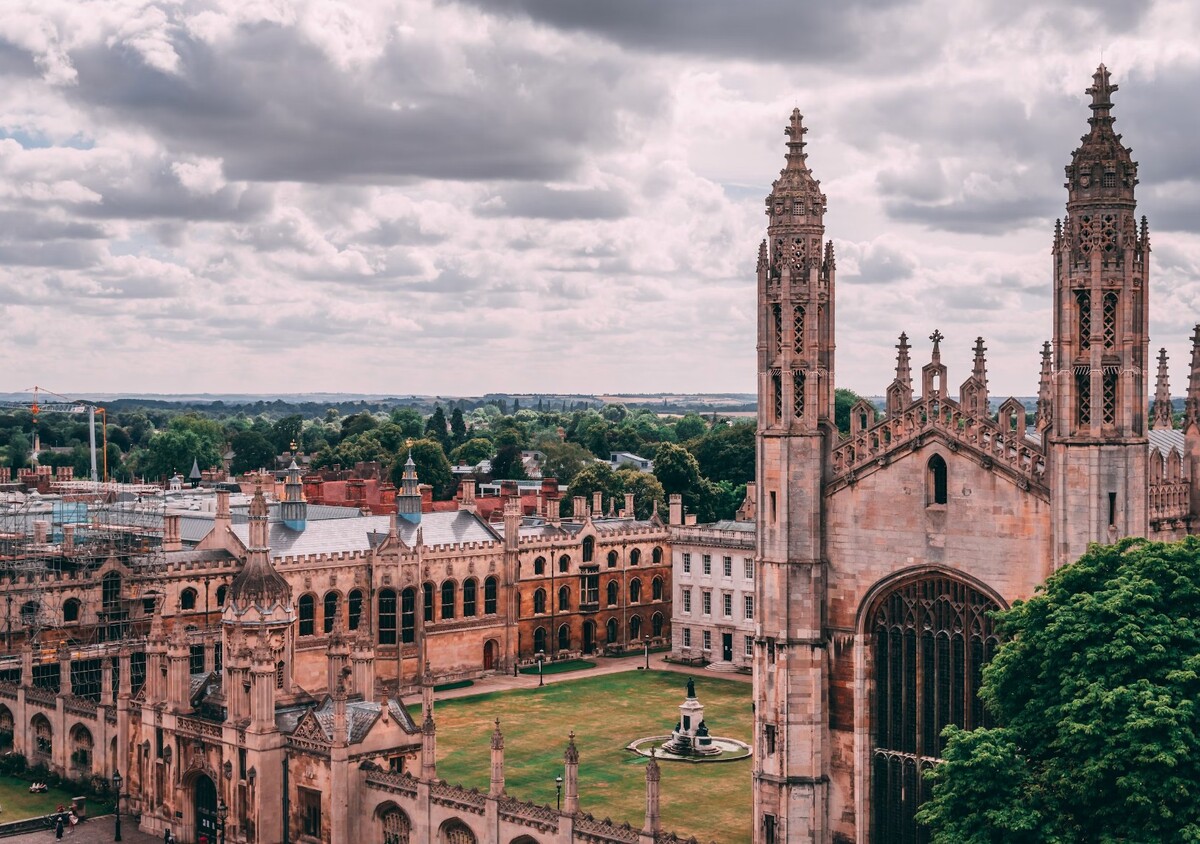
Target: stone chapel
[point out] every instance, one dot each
(881, 553)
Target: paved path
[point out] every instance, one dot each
(604, 665)
(91, 831)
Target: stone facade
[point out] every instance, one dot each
(881, 553)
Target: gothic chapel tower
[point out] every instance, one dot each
(1097, 442)
(795, 429)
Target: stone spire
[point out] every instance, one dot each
(408, 501)
(797, 158)
(980, 368)
(570, 804)
(1045, 402)
(1162, 419)
(497, 785)
(653, 775)
(258, 584)
(899, 394)
(973, 395)
(933, 374)
(1191, 406)
(293, 510)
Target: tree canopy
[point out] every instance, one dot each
(1096, 693)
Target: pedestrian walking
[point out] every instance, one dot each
(58, 827)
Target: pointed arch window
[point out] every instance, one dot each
(776, 397)
(427, 600)
(798, 394)
(1083, 396)
(448, 599)
(354, 607)
(1110, 396)
(589, 548)
(798, 330)
(1110, 320)
(1083, 303)
(330, 611)
(777, 328)
(489, 596)
(387, 617)
(469, 589)
(613, 592)
(564, 598)
(408, 616)
(308, 612)
(539, 601)
(938, 486)
(539, 640)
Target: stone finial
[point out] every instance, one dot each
(980, 368)
(1162, 417)
(571, 756)
(497, 737)
(1192, 404)
(903, 366)
(1101, 90)
(1045, 402)
(795, 132)
(762, 256)
(937, 337)
(653, 772)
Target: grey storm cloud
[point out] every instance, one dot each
(548, 203)
(274, 108)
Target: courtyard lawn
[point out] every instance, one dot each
(710, 801)
(18, 803)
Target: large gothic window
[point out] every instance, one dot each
(798, 394)
(1083, 396)
(1110, 395)
(776, 397)
(798, 331)
(396, 828)
(930, 639)
(1083, 301)
(777, 329)
(1110, 320)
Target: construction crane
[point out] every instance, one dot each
(63, 405)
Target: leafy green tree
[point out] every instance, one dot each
(564, 460)
(410, 421)
(174, 450)
(595, 477)
(1097, 694)
(507, 465)
(646, 490)
(18, 450)
(357, 424)
(726, 453)
(285, 432)
(679, 473)
(435, 426)
(251, 451)
(690, 426)
(615, 412)
(432, 467)
(458, 427)
(472, 451)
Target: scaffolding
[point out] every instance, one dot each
(54, 541)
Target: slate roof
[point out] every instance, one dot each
(362, 534)
(361, 715)
(1166, 441)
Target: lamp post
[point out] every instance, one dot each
(541, 656)
(558, 788)
(222, 816)
(117, 782)
(646, 642)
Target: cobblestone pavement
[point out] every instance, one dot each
(91, 831)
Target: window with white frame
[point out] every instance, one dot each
(749, 563)
(727, 604)
(686, 594)
(687, 637)
(727, 566)
(687, 563)
(749, 646)
(707, 560)
(706, 603)
(708, 640)
(749, 600)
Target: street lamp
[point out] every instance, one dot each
(541, 656)
(558, 788)
(222, 816)
(646, 642)
(117, 782)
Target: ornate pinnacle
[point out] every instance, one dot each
(1101, 90)
(1044, 404)
(980, 360)
(497, 737)
(903, 368)
(937, 337)
(571, 756)
(1162, 420)
(762, 255)
(652, 771)
(1192, 405)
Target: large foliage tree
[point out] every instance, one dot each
(726, 453)
(251, 450)
(1097, 695)
(432, 467)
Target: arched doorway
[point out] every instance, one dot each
(205, 796)
(589, 637)
(489, 655)
(930, 638)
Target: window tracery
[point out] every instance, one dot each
(798, 330)
(1083, 300)
(1110, 320)
(798, 394)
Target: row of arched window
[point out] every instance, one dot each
(331, 606)
(612, 630)
(564, 561)
(436, 602)
(612, 591)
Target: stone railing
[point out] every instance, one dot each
(587, 828)
(457, 797)
(9, 690)
(43, 697)
(541, 818)
(871, 447)
(197, 727)
(393, 782)
(1170, 501)
(80, 706)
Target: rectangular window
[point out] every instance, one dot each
(687, 637)
(749, 564)
(769, 829)
(310, 812)
(769, 737)
(749, 646)
(727, 605)
(686, 594)
(706, 603)
(727, 566)
(708, 640)
(749, 607)
(687, 563)
(707, 563)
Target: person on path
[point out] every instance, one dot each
(58, 828)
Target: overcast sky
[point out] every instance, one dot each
(555, 195)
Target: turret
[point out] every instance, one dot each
(497, 784)
(293, 509)
(900, 392)
(570, 804)
(408, 499)
(1163, 412)
(653, 775)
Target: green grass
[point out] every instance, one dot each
(710, 801)
(561, 667)
(457, 684)
(18, 803)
